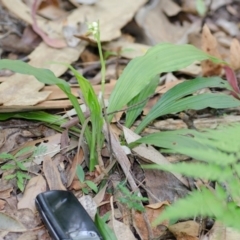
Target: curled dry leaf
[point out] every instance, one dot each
(235, 54)
(35, 186)
(10, 224)
(210, 46)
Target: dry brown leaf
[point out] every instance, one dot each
(152, 212)
(5, 192)
(35, 186)
(2, 204)
(52, 174)
(149, 154)
(221, 232)
(78, 159)
(171, 8)
(128, 49)
(121, 230)
(235, 54)
(188, 230)
(150, 14)
(210, 46)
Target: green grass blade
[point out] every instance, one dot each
(134, 112)
(164, 57)
(173, 100)
(41, 116)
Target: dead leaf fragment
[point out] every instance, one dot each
(52, 174)
(235, 54)
(35, 186)
(121, 230)
(10, 224)
(221, 232)
(152, 212)
(188, 230)
(210, 46)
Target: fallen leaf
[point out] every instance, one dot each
(232, 79)
(171, 8)
(10, 224)
(235, 54)
(2, 204)
(35, 186)
(78, 159)
(5, 192)
(52, 174)
(100, 195)
(89, 204)
(165, 31)
(149, 153)
(121, 230)
(210, 46)
(188, 230)
(152, 212)
(221, 232)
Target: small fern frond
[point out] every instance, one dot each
(211, 172)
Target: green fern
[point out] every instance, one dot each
(218, 154)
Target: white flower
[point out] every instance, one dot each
(93, 28)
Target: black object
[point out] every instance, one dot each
(65, 217)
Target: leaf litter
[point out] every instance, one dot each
(60, 22)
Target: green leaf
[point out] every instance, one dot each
(183, 142)
(96, 117)
(47, 77)
(43, 75)
(92, 185)
(201, 7)
(164, 57)
(21, 166)
(8, 166)
(177, 99)
(6, 156)
(24, 151)
(22, 175)
(134, 112)
(10, 176)
(20, 184)
(85, 190)
(39, 116)
(211, 172)
(80, 173)
(104, 229)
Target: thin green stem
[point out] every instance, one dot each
(103, 66)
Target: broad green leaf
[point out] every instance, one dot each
(96, 117)
(134, 112)
(6, 156)
(104, 229)
(47, 77)
(212, 172)
(164, 57)
(80, 173)
(176, 99)
(92, 185)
